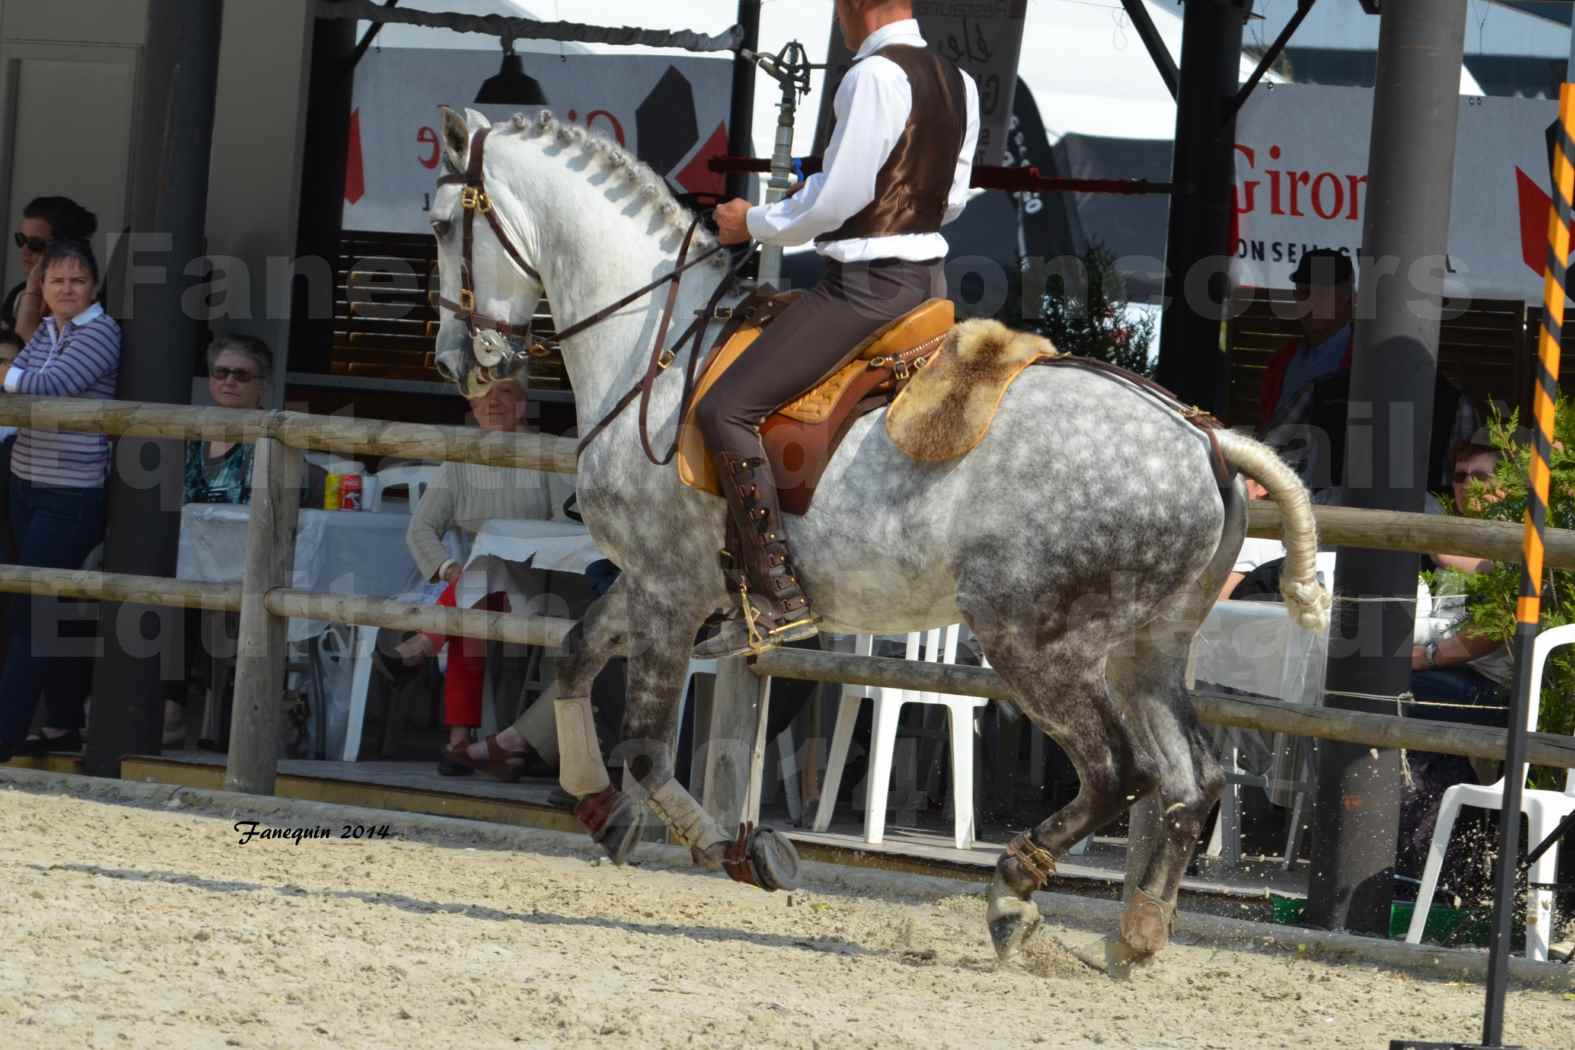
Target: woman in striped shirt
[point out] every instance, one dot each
(57, 496)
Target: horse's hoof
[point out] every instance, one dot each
(1012, 922)
(762, 857)
(613, 821)
(1145, 925)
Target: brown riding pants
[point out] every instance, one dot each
(810, 340)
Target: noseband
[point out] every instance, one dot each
(474, 199)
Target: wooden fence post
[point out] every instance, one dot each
(726, 741)
(260, 656)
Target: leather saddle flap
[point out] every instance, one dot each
(946, 409)
(816, 407)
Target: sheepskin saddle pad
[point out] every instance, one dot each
(946, 409)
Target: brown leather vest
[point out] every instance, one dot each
(915, 183)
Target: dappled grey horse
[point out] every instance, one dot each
(1083, 540)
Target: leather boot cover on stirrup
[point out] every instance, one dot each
(775, 608)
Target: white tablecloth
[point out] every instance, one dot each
(336, 552)
(502, 546)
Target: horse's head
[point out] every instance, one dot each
(486, 300)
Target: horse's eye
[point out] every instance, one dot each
(440, 227)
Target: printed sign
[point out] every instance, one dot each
(984, 38)
(672, 112)
(1301, 183)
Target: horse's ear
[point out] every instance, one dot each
(476, 121)
(456, 141)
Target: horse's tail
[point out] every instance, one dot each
(1305, 598)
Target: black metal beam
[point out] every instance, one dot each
(1271, 56)
(1198, 248)
(371, 35)
(177, 82)
(741, 121)
(1156, 46)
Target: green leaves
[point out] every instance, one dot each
(1492, 595)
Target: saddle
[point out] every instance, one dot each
(801, 436)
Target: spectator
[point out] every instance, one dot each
(57, 494)
(239, 370)
(1325, 284)
(239, 367)
(1452, 667)
(1310, 433)
(1255, 552)
(44, 220)
(466, 496)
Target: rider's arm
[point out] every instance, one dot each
(958, 200)
(872, 106)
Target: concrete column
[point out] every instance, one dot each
(1411, 170)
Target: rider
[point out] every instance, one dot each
(897, 169)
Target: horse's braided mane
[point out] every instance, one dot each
(625, 167)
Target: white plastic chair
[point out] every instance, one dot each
(938, 646)
(1543, 809)
(415, 479)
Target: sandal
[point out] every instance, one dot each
(507, 766)
(452, 762)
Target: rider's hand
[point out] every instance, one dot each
(732, 222)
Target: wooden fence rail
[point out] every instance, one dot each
(266, 602)
(300, 430)
(1352, 727)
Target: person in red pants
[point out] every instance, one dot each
(465, 496)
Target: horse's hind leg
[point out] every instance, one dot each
(1165, 828)
(1062, 689)
(1150, 680)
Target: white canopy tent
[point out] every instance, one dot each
(1088, 71)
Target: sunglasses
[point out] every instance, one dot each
(240, 375)
(32, 244)
(1462, 478)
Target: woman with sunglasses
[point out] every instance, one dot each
(56, 497)
(45, 219)
(239, 370)
(239, 367)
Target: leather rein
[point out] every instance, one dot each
(475, 200)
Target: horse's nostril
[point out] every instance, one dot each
(444, 369)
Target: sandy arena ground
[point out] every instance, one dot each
(138, 927)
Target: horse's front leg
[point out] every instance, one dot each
(658, 665)
(611, 817)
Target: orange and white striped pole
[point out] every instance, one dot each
(1528, 610)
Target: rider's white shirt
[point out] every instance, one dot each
(872, 106)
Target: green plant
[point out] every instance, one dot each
(1491, 596)
(1088, 314)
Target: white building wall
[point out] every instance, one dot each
(68, 77)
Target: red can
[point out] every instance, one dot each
(350, 492)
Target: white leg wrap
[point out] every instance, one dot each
(694, 827)
(580, 768)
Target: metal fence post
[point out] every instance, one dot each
(260, 656)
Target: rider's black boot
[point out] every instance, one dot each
(758, 565)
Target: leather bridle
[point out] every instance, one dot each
(475, 200)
